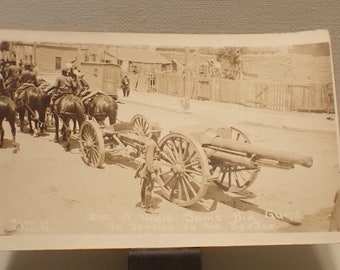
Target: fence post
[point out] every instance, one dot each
(187, 81)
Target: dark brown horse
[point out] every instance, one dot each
(98, 105)
(35, 101)
(7, 111)
(68, 107)
(102, 106)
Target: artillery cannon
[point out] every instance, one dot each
(189, 163)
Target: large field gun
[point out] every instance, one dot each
(189, 163)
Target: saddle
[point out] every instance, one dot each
(88, 96)
(20, 94)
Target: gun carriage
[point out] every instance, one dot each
(189, 163)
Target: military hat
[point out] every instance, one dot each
(156, 127)
(65, 69)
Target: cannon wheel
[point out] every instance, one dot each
(184, 172)
(141, 125)
(237, 178)
(92, 144)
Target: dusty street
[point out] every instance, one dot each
(45, 190)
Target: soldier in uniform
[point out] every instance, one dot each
(2, 86)
(28, 75)
(12, 78)
(150, 169)
(26, 79)
(126, 86)
(62, 86)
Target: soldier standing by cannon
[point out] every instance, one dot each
(149, 170)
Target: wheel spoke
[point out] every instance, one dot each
(179, 188)
(174, 188)
(188, 183)
(236, 179)
(192, 164)
(186, 150)
(189, 157)
(169, 180)
(165, 163)
(172, 146)
(193, 172)
(171, 154)
(184, 188)
(193, 179)
(165, 156)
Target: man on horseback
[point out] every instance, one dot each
(28, 75)
(2, 86)
(12, 78)
(62, 86)
(27, 79)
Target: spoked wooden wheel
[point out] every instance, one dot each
(184, 173)
(141, 125)
(92, 144)
(237, 178)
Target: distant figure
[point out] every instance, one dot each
(126, 86)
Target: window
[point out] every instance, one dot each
(58, 63)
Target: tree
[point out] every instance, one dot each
(231, 55)
(229, 58)
(4, 46)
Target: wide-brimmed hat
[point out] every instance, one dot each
(156, 127)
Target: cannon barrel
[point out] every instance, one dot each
(247, 153)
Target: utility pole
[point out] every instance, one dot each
(34, 53)
(187, 81)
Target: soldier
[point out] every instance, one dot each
(2, 86)
(28, 75)
(12, 78)
(126, 86)
(150, 169)
(26, 79)
(63, 85)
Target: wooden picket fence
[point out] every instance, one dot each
(252, 93)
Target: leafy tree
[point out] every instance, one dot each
(4, 46)
(229, 58)
(229, 55)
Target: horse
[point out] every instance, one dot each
(100, 107)
(67, 107)
(7, 110)
(34, 100)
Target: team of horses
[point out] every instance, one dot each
(35, 101)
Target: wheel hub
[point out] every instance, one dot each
(88, 144)
(178, 168)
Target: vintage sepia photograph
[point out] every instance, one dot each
(158, 140)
